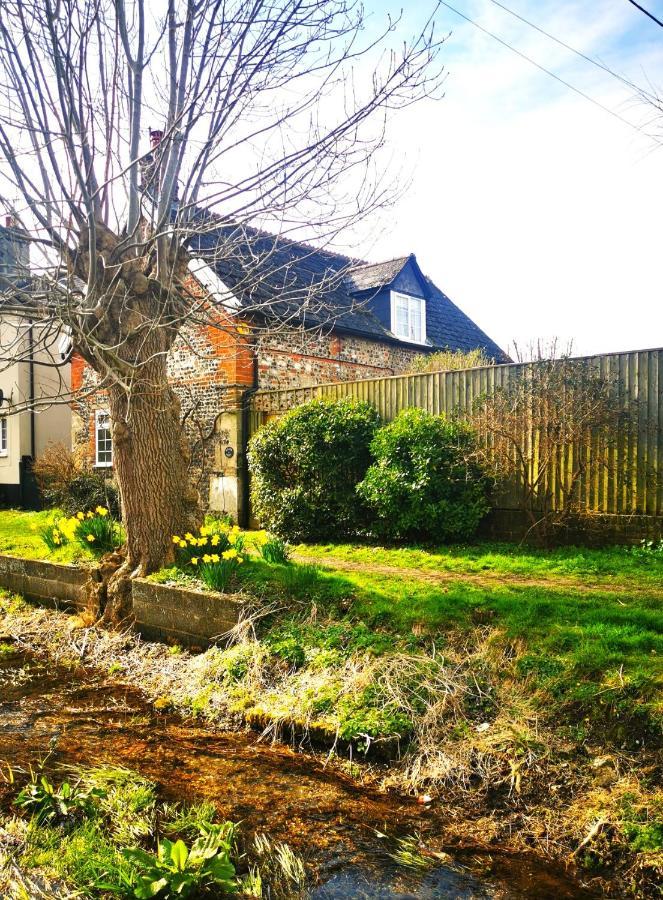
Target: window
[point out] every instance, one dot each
(102, 435)
(4, 445)
(408, 317)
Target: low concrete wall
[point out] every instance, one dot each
(194, 618)
(52, 584)
(163, 612)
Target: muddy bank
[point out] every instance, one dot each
(120, 699)
(347, 834)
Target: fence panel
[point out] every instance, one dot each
(640, 378)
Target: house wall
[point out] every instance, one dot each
(211, 368)
(13, 384)
(52, 422)
(299, 360)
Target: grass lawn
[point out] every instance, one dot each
(19, 536)
(591, 656)
(623, 563)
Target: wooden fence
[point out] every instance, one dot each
(638, 376)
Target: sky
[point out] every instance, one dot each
(538, 213)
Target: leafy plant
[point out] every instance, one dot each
(425, 481)
(179, 871)
(53, 536)
(274, 550)
(50, 804)
(98, 530)
(213, 555)
(305, 467)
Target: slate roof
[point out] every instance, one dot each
(294, 281)
(373, 276)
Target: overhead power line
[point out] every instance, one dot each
(541, 68)
(646, 12)
(589, 59)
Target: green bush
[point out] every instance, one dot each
(424, 483)
(305, 468)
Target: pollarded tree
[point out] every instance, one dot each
(265, 111)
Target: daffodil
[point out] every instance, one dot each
(207, 558)
(176, 539)
(90, 538)
(215, 540)
(194, 560)
(183, 544)
(89, 514)
(215, 558)
(188, 536)
(101, 511)
(230, 554)
(80, 516)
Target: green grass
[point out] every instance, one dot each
(18, 537)
(586, 653)
(504, 559)
(594, 655)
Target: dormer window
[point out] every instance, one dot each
(408, 317)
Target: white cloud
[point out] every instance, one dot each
(538, 213)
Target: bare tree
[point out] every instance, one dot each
(555, 421)
(267, 112)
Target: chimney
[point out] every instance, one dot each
(155, 138)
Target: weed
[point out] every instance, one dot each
(274, 550)
(177, 870)
(186, 819)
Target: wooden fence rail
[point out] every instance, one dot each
(638, 374)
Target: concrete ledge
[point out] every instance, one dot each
(194, 618)
(51, 584)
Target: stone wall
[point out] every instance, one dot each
(194, 618)
(51, 584)
(163, 612)
(301, 359)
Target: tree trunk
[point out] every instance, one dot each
(151, 458)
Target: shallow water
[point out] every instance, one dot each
(337, 826)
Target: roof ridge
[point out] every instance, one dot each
(383, 262)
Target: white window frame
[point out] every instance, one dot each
(98, 416)
(4, 436)
(411, 301)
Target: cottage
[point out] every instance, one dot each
(289, 315)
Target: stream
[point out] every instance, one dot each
(336, 825)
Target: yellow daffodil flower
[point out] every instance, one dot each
(89, 514)
(90, 538)
(176, 539)
(230, 554)
(207, 558)
(188, 536)
(80, 515)
(215, 558)
(101, 511)
(194, 560)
